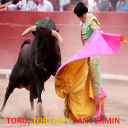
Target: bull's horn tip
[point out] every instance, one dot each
(61, 42)
(22, 34)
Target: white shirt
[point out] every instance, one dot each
(31, 6)
(63, 2)
(98, 3)
(46, 7)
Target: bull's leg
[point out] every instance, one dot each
(39, 87)
(38, 83)
(32, 101)
(13, 83)
(33, 95)
(9, 90)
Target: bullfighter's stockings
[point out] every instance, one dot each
(98, 113)
(97, 103)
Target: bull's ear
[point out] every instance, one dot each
(34, 33)
(57, 30)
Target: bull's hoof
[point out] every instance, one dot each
(1, 116)
(39, 111)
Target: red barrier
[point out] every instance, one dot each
(13, 23)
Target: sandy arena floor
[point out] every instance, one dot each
(18, 105)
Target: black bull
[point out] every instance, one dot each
(36, 62)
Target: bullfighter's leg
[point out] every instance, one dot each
(94, 71)
(102, 110)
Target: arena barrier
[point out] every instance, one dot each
(13, 23)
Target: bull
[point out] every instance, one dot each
(37, 61)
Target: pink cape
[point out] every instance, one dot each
(99, 43)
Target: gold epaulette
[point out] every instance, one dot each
(90, 18)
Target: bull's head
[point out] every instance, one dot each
(43, 36)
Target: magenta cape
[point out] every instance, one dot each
(73, 81)
(99, 43)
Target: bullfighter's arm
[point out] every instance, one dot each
(4, 5)
(95, 25)
(14, 7)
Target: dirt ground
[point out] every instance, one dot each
(18, 106)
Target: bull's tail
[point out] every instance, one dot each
(25, 42)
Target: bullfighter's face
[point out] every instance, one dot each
(43, 36)
(83, 17)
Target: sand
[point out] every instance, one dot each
(18, 106)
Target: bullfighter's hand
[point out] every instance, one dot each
(3, 9)
(2, 6)
(96, 9)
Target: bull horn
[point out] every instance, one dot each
(30, 29)
(57, 35)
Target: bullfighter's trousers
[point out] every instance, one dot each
(95, 74)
